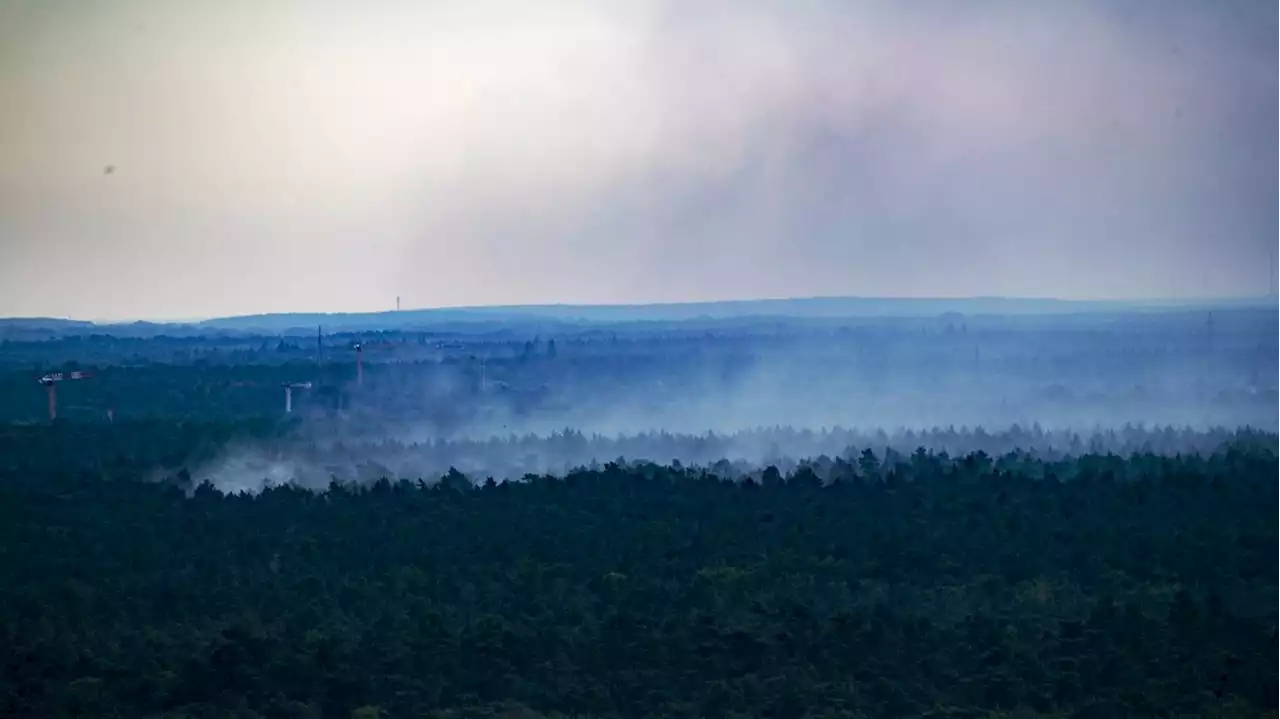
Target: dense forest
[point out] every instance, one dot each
(907, 585)
(947, 517)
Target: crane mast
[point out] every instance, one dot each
(359, 348)
(289, 387)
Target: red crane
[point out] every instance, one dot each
(50, 382)
(360, 347)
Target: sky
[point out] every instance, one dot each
(170, 159)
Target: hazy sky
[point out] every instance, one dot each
(277, 156)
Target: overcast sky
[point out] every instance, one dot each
(183, 158)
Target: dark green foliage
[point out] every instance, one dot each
(923, 586)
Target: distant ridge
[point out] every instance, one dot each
(797, 308)
(42, 322)
(800, 308)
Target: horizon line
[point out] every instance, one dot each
(1170, 301)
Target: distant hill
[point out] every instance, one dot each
(550, 317)
(813, 307)
(28, 323)
(39, 328)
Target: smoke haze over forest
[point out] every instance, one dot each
(622, 358)
(190, 159)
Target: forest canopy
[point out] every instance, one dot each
(926, 585)
(954, 516)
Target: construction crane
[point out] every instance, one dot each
(289, 387)
(50, 382)
(484, 377)
(360, 347)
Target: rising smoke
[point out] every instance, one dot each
(808, 399)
